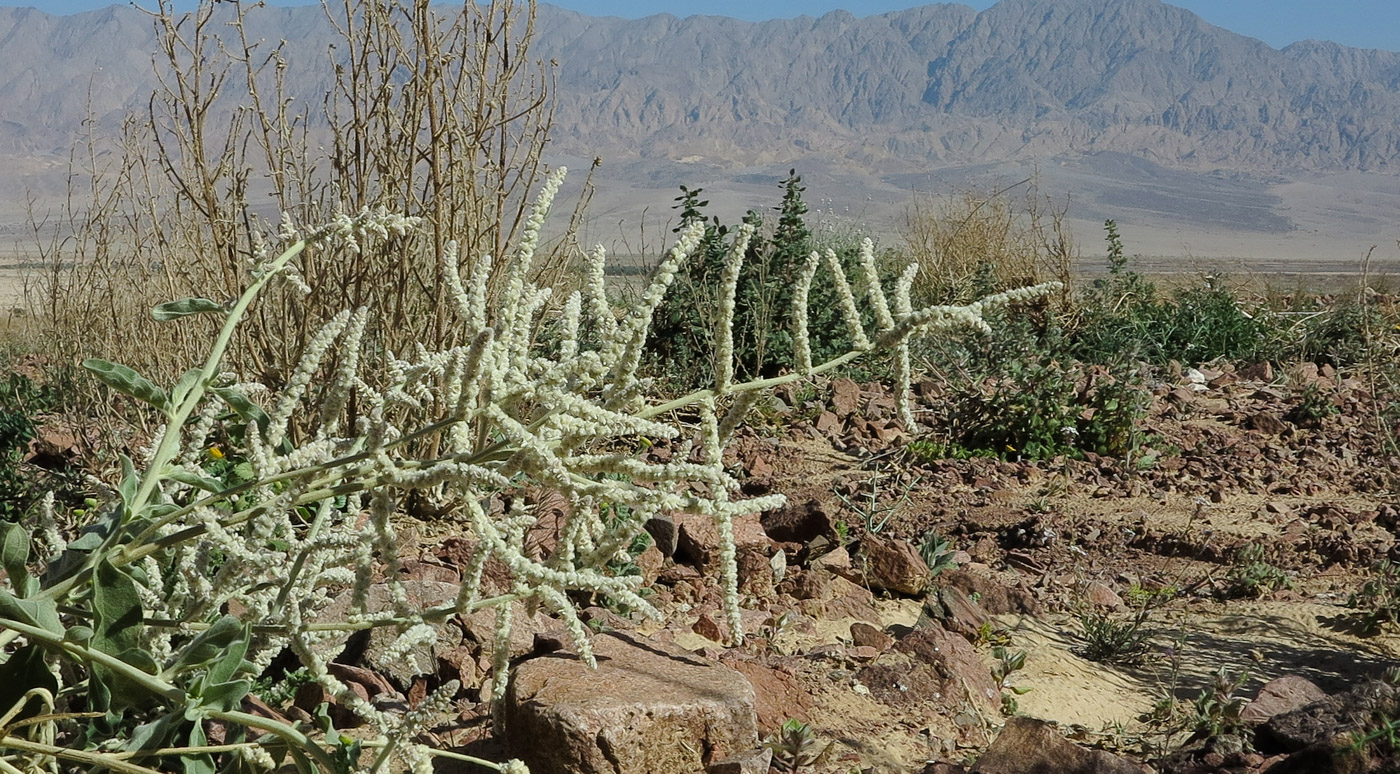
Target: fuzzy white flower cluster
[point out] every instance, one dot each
(896, 320)
(542, 395)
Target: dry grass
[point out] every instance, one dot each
(432, 112)
(970, 244)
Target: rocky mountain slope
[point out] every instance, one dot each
(938, 83)
(1103, 95)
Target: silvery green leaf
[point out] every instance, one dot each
(128, 382)
(170, 310)
(188, 381)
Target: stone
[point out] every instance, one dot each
(708, 625)
(993, 596)
(837, 561)
(848, 600)
(698, 540)
(648, 707)
(756, 761)
(796, 523)
(1259, 372)
(1103, 597)
(1266, 423)
(865, 635)
(862, 653)
(651, 562)
(956, 663)
(845, 397)
(755, 570)
(891, 564)
(1030, 746)
(958, 612)
(778, 695)
(662, 529)
(1280, 695)
(1321, 721)
(827, 423)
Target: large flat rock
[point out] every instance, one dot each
(649, 708)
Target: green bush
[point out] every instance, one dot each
(1124, 315)
(681, 340)
(1039, 410)
(1339, 337)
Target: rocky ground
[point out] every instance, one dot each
(1236, 545)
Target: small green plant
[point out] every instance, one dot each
(1251, 576)
(279, 692)
(937, 553)
(990, 634)
(1377, 602)
(1114, 639)
(874, 510)
(1008, 662)
(1313, 408)
(1124, 315)
(794, 746)
(1218, 708)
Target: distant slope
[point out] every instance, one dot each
(1132, 109)
(937, 84)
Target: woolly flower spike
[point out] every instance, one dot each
(848, 302)
(801, 342)
(728, 287)
(599, 312)
(634, 333)
(883, 320)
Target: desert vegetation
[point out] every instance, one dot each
(305, 488)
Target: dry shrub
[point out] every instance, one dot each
(435, 112)
(970, 244)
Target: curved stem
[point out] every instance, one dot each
(92, 759)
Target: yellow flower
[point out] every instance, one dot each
(216, 453)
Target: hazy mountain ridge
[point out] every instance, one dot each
(936, 84)
(947, 84)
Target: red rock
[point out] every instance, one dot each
(1027, 746)
(957, 612)
(748, 762)
(1259, 372)
(709, 627)
(956, 662)
(1104, 597)
(993, 596)
(1280, 695)
(648, 707)
(865, 635)
(849, 600)
(845, 397)
(862, 653)
(759, 467)
(778, 696)
(799, 523)
(699, 538)
(837, 561)
(663, 531)
(891, 564)
(827, 423)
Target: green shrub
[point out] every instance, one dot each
(1340, 336)
(681, 342)
(1125, 316)
(1039, 410)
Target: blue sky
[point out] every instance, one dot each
(1366, 23)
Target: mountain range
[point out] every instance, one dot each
(1131, 95)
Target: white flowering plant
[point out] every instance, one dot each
(124, 646)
